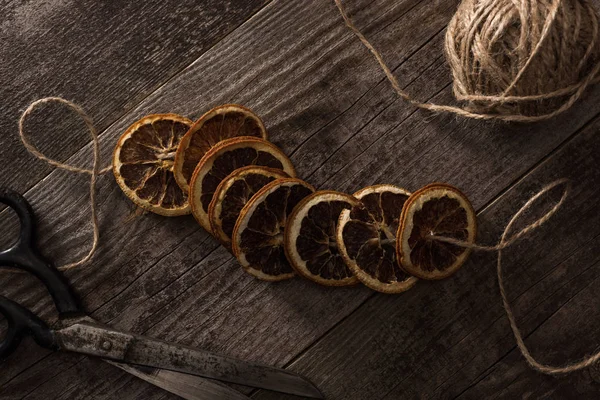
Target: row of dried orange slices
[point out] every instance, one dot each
(244, 190)
(155, 159)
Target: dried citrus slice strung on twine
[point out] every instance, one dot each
(143, 163)
(258, 236)
(222, 122)
(366, 237)
(416, 214)
(223, 159)
(233, 193)
(435, 210)
(310, 243)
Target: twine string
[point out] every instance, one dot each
(94, 172)
(505, 242)
(586, 362)
(574, 90)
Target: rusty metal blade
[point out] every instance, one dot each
(108, 343)
(188, 387)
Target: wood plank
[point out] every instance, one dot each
(451, 338)
(105, 56)
(323, 99)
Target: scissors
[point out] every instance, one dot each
(181, 370)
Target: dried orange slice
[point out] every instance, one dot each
(366, 237)
(310, 243)
(441, 210)
(223, 159)
(233, 193)
(143, 163)
(258, 236)
(222, 122)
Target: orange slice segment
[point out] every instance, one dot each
(233, 193)
(222, 122)
(366, 237)
(310, 243)
(223, 159)
(143, 163)
(258, 236)
(441, 210)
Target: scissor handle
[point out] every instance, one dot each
(21, 323)
(23, 255)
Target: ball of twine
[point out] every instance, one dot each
(520, 56)
(514, 60)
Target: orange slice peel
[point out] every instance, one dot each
(366, 237)
(143, 163)
(220, 123)
(437, 209)
(233, 193)
(223, 159)
(310, 243)
(258, 236)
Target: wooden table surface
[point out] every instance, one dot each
(325, 101)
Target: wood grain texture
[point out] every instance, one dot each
(451, 339)
(326, 103)
(105, 56)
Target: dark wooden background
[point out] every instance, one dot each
(326, 103)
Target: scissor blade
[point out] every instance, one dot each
(100, 341)
(163, 355)
(186, 386)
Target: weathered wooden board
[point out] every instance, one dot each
(325, 101)
(106, 56)
(451, 339)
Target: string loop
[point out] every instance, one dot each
(505, 242)
(523, 232)
(94, 172)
